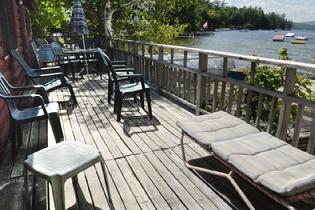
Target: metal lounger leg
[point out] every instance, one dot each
(110, 201)
(216, 173)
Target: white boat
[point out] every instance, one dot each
(278, 38)
(290, 34)
(301, 38)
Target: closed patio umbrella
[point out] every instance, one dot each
(79, 23)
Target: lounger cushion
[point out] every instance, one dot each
(218, 126)
(270, 162)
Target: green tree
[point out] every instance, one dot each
(213, 17)
(141, 19)
(49, 16)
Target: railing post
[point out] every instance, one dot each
(311, 140)
(250, 92)
(143, 67)
(290, 79)
(159, 73)
(135, 57)
(115, 50)
(201, 82)
(186, 78)
(172, 56)
(151, 66)
(129, 53)
(223, 87)
(185, 59)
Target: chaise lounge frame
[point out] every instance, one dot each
(286, 201)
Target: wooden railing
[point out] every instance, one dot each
(187, 74)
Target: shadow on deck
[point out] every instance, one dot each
(143, 158)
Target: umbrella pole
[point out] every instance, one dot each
(85, 56)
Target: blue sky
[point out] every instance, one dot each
(296, 10)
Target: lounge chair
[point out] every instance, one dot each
(51, 78)
(288, 176)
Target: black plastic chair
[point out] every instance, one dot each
(18, 116)
(121, 69)
(52, 78)
(136, 86)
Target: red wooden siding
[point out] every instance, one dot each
(10, 68)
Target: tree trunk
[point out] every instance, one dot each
(108, 14)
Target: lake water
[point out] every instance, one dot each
(256, 42)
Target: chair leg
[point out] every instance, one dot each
(119, 105)
(74, 99)
(110, 201)
(56, 127)
(72, 71)
(147, 94)
(110, 91)
(65, 69)
(99, 67)
(142, 100)
(25, 190)
(13, 137)
(74, 180)
(57, 186)
(19, 134)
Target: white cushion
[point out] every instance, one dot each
(270, 162)
(218, 126)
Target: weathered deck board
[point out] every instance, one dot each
(11, 172)
(143, 159)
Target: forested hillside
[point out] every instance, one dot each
(153, 20)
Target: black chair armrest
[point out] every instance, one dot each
(52, 69)
(119, 63)
(119, 66)
(56, 75)
(136, 76)
(39, 88)
(124, 70)
(31, 96)
(133, 76)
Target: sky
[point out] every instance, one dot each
(295, 10)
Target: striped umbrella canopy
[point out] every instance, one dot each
(78, 20)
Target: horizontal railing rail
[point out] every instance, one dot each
(250, 58)
(207, 87)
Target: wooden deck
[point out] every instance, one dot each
(142, 156)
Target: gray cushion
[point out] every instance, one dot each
(246, 145)
(218, 126)
(270, 162)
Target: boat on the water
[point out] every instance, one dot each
(278, 38)
(298, 42)
(290, 34)
(301, 38)
(204, 33)
(186, 36)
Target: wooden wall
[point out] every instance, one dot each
(13, 33)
